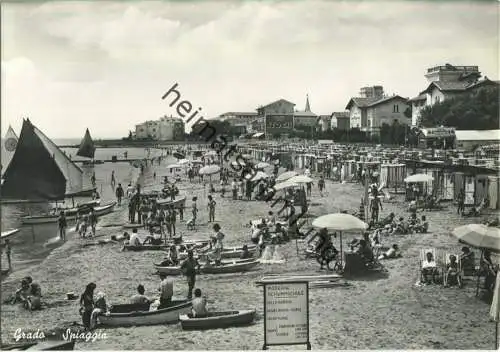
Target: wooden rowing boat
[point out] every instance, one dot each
(218, 320)
(8, 233)
(237, 267)
(229, 253)
(195, 245)
(136, 315)
(176, 270)
(52, 218)
(176, 203)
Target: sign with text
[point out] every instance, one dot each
(279, 123)
(286, 313)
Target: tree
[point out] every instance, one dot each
(476, 111)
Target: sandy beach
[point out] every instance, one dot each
(384, 311)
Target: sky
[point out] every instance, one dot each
(105, 65)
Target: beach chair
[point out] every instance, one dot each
(423, 259)
(447, 261)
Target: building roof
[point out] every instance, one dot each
(460, 86)
(421, 96)
(304, 114)
(341, 114)
(277, 101)
(369, 102)
(474, 135)
(231, 113)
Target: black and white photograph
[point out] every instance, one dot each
(250, 175)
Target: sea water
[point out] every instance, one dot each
(34, 242)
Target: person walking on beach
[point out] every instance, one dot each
(173, 219)
(461, 202)
(87, 304)
(194, 210)
(8, 252)
(234, 189)
(188, 268)
(113, 180)
(131, 211)
(62, 225)
(92, 179)
(93, 222)
(119, 194)
(166, 291)
(321, 185)
(211, 208)
(130, 191)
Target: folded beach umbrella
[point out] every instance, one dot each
(418, 178)
(209, 170)
(300, 179)
(285, 176)
(495, 308)
(257, 177)
(479, 236)
(284, 185)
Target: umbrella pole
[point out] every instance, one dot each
(341, 252)
(496, 335)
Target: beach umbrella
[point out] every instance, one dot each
(479, 236)
(211, 153)
(238, 163)
(174, 166)
(284, 185)
(209, 170)
(257, 177)
(285, 176)
(183, 161)
(246, 156)
(262, 165)
(300, 179)
(495, 308)
(418, 178)
(339, 222)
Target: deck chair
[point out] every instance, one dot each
(447, 261)
(423, 259)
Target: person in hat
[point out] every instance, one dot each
(100, 307)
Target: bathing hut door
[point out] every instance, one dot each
(448, 186)
(469, 189)
(481, 188)
(458, 182)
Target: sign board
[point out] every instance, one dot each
(279, 123)
(286, 313)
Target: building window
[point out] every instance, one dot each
(395, 108)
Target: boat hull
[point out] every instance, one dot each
(229, 253)
(45, 219)
(161, 247)
(137, 318)
(8, 233)
(218, 320)
(226, 267)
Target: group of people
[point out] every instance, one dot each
(29, 294)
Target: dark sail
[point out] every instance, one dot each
(87, 148)
(33, 172)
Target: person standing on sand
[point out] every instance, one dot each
(113, 180)
(194, 210)
(8, 252)
(93, 222)
(62, 225)
(119, 194)
(321, 185)
(173, 219)
(87, 304)
(92, 179)
(211, 208)
(188, 268)
(461, 202)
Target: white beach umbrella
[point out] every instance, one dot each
(211, 153)
(339, 222)
(479, 236)
(257, 177)
(246, 156)
(285, 176)
(209, 170)
(183, 161)
(300, 179)
(238, 163)
(284, 185)
(418, 178)
(174, 166)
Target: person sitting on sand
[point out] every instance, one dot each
(423, 226)
(87, 304)
(134, 239)
(392, 253)
(429, 267)
(281, 233)
(246, 253)
(199, 309)
(23, 294)
(452, 270)
(100, 307)
(388, 220)
(139, 298)
(365, 251)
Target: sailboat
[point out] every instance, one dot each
(9, 146)
(39, 170)
(87, 148)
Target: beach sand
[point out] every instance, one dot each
(378, 311)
